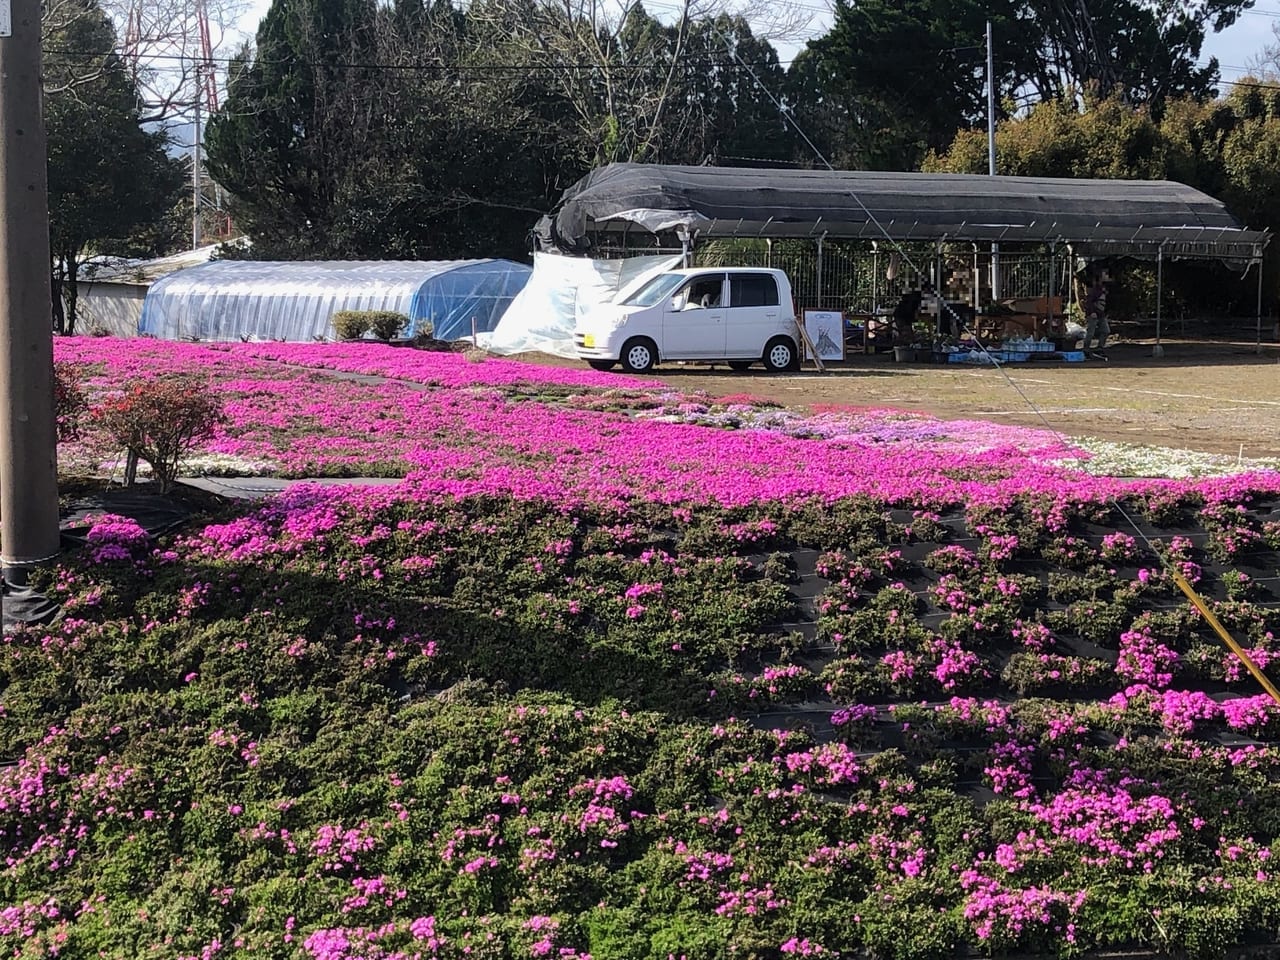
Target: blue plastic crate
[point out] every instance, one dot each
(1072, 356)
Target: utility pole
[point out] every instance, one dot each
(28, 448)
(991, 153)
(991, 105)
(195, 168)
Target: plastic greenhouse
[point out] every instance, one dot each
(239, 299)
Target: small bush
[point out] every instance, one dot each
(350, 324)
(386, 324)
(353, 324)
(69, 403)
(160, 421)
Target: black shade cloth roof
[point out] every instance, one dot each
(746, 201)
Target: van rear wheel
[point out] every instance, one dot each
(780, 354)
(602, 365)
(639, 355)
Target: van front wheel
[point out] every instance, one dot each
(780, 354)
(639, 355)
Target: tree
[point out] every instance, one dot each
(1146, 51)
(1229, 148)
(290, 126)
(1110, 140)
(437, 132)
(161, 47)
(620, 74)
(725, 108)
(893, 79)
(357, 131)
(111, 183)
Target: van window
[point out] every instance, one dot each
(652, 292)
(704, 291)
(752, 290)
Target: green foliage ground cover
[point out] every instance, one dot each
(366, 725)
(647, 709)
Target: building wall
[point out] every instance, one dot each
(113, 307)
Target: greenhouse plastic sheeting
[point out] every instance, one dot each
(258, 299)
(481, 291)
(543, 316)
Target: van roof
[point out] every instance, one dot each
(689, 271)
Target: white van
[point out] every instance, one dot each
(739, 314)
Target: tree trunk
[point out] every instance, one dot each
(73, 293)
(59, 316)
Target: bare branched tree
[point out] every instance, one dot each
(781, 21)
(161, 42)
(617, 67)
(1265, 64)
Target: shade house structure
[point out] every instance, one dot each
(1069, 220)
(296, 300)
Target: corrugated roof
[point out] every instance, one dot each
(748, 201)
(105, 269)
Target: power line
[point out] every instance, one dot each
(527, 68)
(1167, 563)
(535, 67)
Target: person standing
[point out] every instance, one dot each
(1095, 314)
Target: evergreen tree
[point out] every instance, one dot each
(112, 185)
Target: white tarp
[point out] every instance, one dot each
(543, 315)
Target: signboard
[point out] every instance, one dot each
(6, 18)
(825, 329)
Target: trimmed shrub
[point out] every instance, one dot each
(159, 421)
(386, 324)
(350, 324)
(69, 403)
(383, 324)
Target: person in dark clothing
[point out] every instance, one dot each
(904, 316)
(1095, 315)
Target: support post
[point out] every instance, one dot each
(991, 104)
(991, 153)
(1258, 317)
(195, 169)
(1049, 288)
(875, 277)
(818, 292)
(977, 283)
(1158, 350)
(28, 453)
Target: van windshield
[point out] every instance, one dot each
(663, 285)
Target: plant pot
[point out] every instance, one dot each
(904, 354)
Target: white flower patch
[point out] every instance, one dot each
(1107, 458)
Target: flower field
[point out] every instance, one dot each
(622, 673)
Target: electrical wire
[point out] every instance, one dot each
(532, 68)
(1163, 558)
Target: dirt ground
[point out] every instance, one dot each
(1212, 396)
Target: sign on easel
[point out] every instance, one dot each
(6, 18)
(824, 329)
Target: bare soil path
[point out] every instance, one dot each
(1212, 396)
